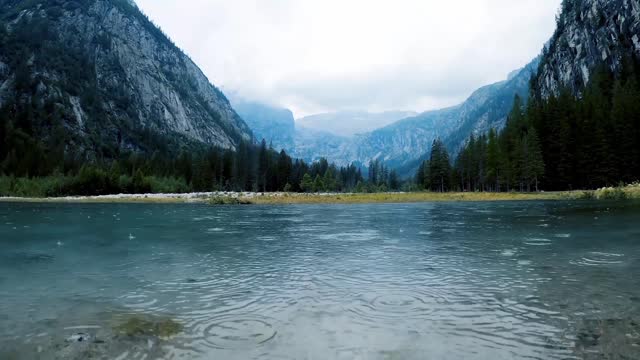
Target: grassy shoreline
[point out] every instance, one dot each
(410, 197)
(228, 198)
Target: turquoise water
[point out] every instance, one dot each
(536, 280)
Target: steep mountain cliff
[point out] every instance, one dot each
(275, 125)
(100, 75)
(589, 33)
(312, 145)
(491, 113)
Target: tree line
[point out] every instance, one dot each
(250, 167)
(562, 142)
(41, 154)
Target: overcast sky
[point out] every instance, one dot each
(326, 55)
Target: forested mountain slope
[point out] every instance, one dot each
(95, 79)
(580, 128)
(406, 143)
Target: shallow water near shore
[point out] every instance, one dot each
(517, 280)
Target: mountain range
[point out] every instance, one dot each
(590, 33)
(103, 75)
(403, 143)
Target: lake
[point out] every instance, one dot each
(505, 280)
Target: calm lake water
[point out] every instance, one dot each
(535, 280)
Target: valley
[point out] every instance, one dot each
(301, 179)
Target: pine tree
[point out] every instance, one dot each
(329, 180)
(318, 185)
(263, 166)
(284, 170)
(493, 160)
(185, 167)
(307, 183)
(439, 167)
(558, 152)
(373, 171)
(532, 165)
(625, 107)
(419, 177)
(394, 181)
(242, 164)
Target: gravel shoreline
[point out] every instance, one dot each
(196, 197)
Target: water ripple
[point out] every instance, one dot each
(323, 282)
(396, 304)
(597, 258)
(237, 332)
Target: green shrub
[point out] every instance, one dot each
(5, 186)
(168, 185)
(125, 184)
(611, 194)
(587, 195)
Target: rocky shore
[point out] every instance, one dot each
(629, 192)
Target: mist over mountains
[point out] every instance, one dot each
(351, 123)
(400, 144)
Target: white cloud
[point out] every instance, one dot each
(324, 55)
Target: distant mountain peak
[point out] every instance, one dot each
(351, 122)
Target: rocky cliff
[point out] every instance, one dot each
(112, 79)
(589, 33)
(274, 124)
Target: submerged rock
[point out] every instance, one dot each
(79, 337)
(148, 326)
(113, 336)
(608, 339)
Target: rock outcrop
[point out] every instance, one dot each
(589, 33)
